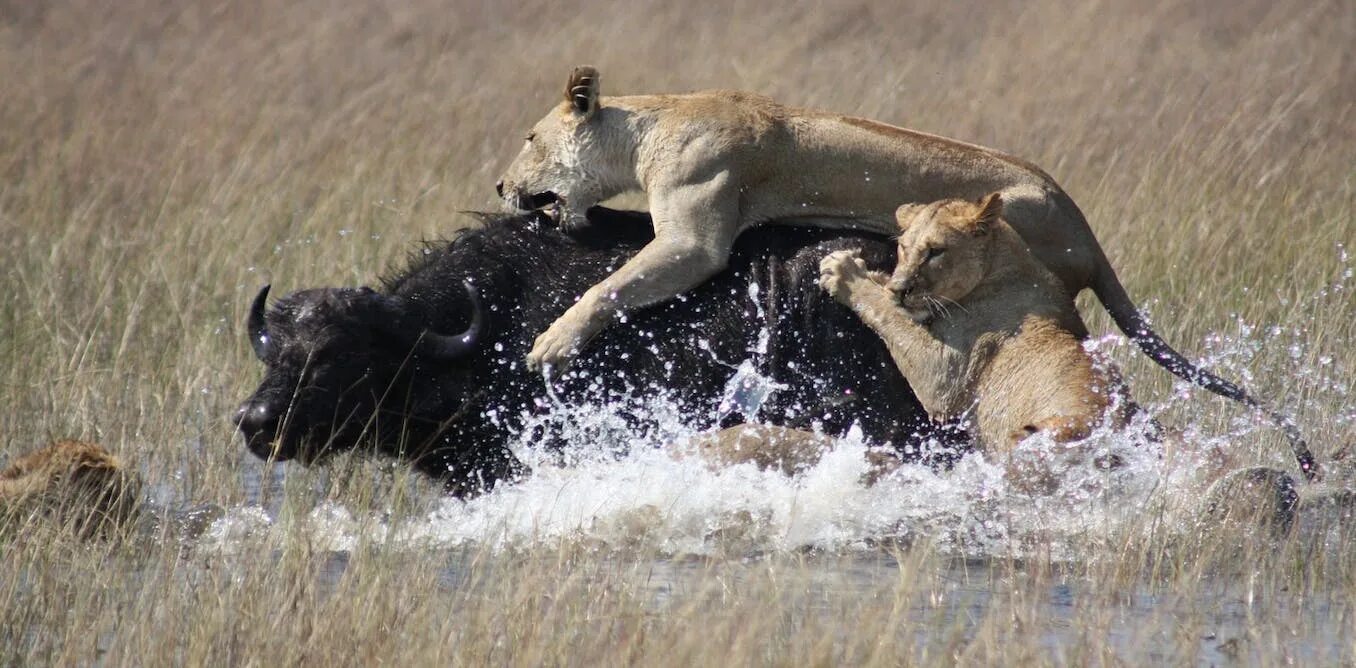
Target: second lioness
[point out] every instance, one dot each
(982, 331)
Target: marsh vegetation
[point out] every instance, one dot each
(162, 159)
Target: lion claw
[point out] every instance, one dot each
(839, 268)
(554, 348)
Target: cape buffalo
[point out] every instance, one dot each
(429, 367)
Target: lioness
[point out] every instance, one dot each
(982, 331)
(78, 483)
(716, 163)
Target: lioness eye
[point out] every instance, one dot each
(531, 136)
(934, 253)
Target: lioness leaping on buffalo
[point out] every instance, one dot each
(982, 331)
(716, 163)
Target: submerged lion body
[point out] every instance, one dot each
(81, 484)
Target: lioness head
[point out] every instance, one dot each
(943, 253)
(573, 158)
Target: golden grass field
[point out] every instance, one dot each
(162, 159)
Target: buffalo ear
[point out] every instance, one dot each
(581, 90)
(990, 209)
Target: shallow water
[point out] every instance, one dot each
(1225, 621)
(615, 487)
(613, 483)
(686, 508)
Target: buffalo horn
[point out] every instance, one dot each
(256, 326)
(445, 346)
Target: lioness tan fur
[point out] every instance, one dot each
(718, 162)
(772, 447)
(983, 332)
(78, 483)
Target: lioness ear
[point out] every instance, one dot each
(990, 208)
(905, 214)
(581, 91)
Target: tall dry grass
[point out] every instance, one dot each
(161, 159)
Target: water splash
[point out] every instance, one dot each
(615, 483)
(746, 392)
(684, 507)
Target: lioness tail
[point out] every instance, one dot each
(1128, 317)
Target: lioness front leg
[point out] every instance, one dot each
(930, 366)
(695, 227)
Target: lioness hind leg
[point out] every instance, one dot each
(1250, 499)
(1056, 233)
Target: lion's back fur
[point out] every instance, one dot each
(80, 484)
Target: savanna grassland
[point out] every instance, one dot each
(161, 160)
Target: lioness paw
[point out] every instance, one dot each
(551, 349)
(558, 345)
(838, 269)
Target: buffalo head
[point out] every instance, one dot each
(341, 365)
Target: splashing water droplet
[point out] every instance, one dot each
(746, 392)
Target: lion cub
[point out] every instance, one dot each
(981, 329)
